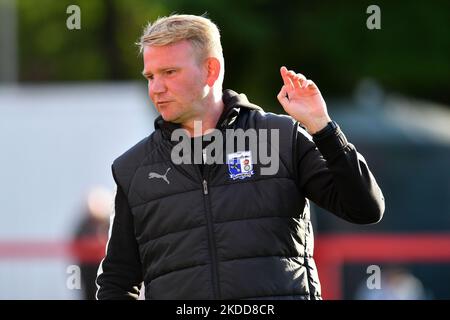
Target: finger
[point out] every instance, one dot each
(298, 79)
(302, 80)
(311, 85)
(286, 79)
(295, 80)
(283, 96)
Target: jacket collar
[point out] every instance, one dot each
(233, 102)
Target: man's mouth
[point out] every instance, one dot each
(162, 103)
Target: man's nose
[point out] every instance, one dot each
(157, 85)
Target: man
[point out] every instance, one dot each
(225, 230)
(90, 238)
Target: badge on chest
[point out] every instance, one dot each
(240, 165)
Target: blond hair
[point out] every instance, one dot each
(201, 32)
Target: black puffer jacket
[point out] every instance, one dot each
(203, 235)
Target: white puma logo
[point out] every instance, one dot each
(160, 176)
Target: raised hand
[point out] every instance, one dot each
(302, 100)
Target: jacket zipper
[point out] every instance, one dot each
(211, 238)
(205, 187)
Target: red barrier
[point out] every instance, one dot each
(332, 251)
(85, 250)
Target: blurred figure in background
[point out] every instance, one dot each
(91, 236)
(396, 284)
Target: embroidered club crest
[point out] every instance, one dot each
(240, 165)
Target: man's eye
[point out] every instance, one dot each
(150, 77)
(169, 72)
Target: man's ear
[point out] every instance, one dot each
(213, 70)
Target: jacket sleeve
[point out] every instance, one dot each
(336, 177)
(120, 272)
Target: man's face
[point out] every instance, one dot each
(176, 81)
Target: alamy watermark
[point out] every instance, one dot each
(73, 281)
(262, 146)
(374, 20)
(73, 21)
(374, 279)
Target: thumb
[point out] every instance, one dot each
(283, 96)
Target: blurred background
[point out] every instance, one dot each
(73, 99)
